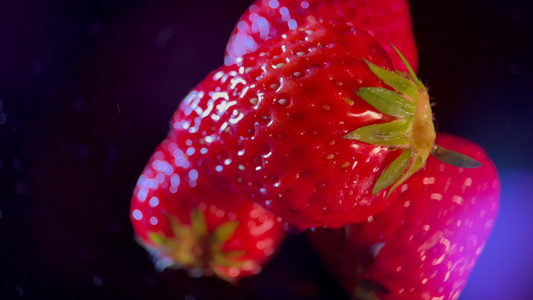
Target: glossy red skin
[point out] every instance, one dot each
(168, 178)
(432, 234)
(389, 21)
(277, 152)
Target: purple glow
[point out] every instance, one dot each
(504, 269)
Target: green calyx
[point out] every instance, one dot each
(195, 249)
(412, 132)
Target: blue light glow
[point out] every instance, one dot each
(508, 250)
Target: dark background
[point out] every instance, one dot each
(87, 89)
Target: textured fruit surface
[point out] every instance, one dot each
(427, 242)
(389, 21)
(188, 218)
(276, 123)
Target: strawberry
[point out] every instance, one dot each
(192, 219)
(426, 243)
(389, 21)
(316, 125)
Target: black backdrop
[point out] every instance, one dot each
(87, 89)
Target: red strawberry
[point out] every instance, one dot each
(192, 219)
(389, 21)
(309, 124)
(427, 242)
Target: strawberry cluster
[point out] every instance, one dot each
(317, 122)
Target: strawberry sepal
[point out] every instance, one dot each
(393, 172)
(454, 158)
(412, 131)
(193, 248)
(387, 134)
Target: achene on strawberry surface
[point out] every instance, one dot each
(426, 243)
(389, 21)
(189, 219)
(308, 125)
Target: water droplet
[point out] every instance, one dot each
(96, 27)
(16, 164)
(137, 214)
(154, 201)
(97, 280)
(78, 104)
(190, 151)
(164, 36)
(193, 175)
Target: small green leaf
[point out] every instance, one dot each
(225, 231)
(180, 230)
(408, 66)
(387, 134)
(157, 238)
(361, 293)
(236, 253)
(224, 259)
(228, 263)
(393, 172)
(161, 242)
(454, 158)
(224, 276)
(387, 101)
(418, 163)
(198, 224)
(399, 83)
